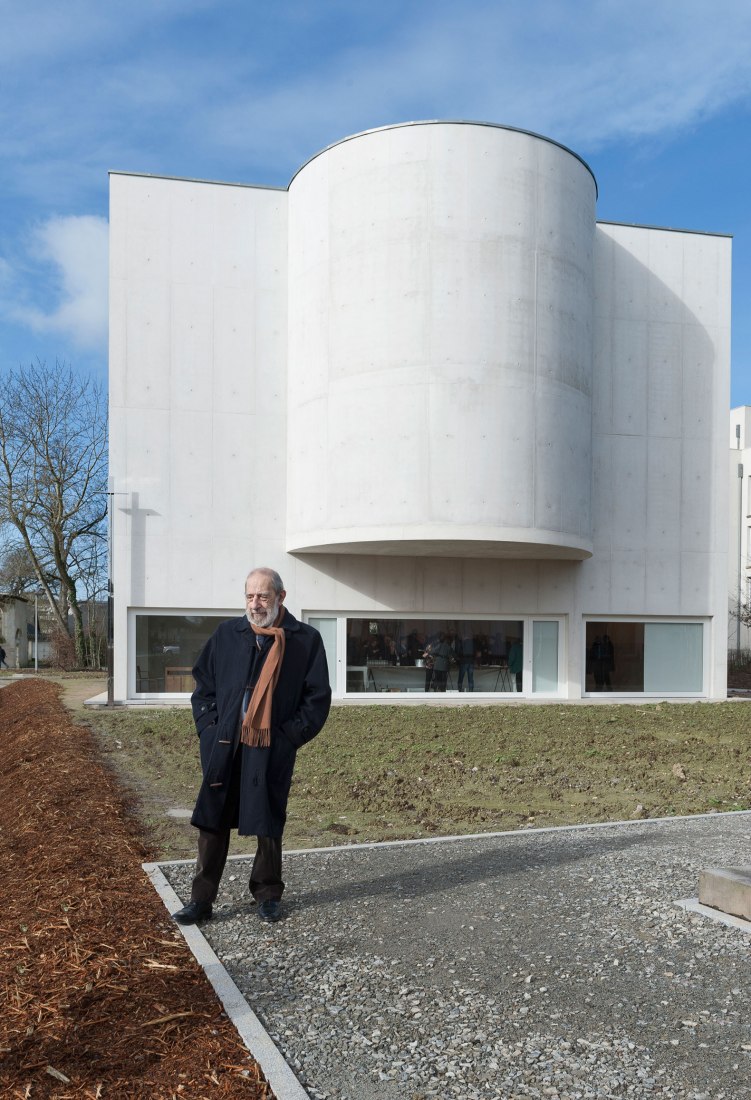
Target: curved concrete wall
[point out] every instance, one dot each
(440, 345)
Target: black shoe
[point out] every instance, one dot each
(269, 910)
(193, 912)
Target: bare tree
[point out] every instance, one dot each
(17, 575)
(53, 482)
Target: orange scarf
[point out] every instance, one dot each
(256, 730)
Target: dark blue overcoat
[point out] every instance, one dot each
(300, 708)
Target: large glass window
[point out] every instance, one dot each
(418, 655)
(166, 650)
(327, 629)
(644, 657)
(673, 655)
(545, 656)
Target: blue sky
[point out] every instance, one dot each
(655, 96)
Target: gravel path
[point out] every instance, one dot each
(538, 964)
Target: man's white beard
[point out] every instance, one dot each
(265, 618)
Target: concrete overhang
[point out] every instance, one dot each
(420, 543)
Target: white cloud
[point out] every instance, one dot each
(586, 73)
(200, 88)
(71, 255)
(233, 90)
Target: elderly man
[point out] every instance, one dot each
(262, 691)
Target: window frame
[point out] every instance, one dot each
(163, 612)
(704, 621)
(390, 697)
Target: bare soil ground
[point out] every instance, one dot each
(101, 996)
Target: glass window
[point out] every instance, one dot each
(419, 655)
(615, 657)
(673, 657)
(545, 656)
(166, 650)
(327, 629)
(637, 657)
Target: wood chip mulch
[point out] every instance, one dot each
(100, 996)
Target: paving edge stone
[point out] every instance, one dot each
(279, 1075)
(727, 889)
(693, 905)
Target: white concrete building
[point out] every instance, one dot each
(739, 577)
(431, 390)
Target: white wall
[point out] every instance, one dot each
(418, 339)
(198, 341)
(661, 394)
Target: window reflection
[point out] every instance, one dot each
(166, 650)
(615, 657)
(638, 657)
(437, 655)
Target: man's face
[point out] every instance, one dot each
(261, 601)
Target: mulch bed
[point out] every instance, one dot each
(100, 995)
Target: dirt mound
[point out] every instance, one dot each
(101, 996)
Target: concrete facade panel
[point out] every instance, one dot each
(663, 583)
(629, 567)
(595, 590)
(190, 476)
(476, 472)
(696, 581)
(481, 586)
(629, 485)
(237, 500)
(664, 494)
(665, 356)
(700, 397)
(147, 345)
(627, 372)
(625, 292)
(696, 498)
(233, 344)
(191, 384)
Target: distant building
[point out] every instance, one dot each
(739, 577)
(426, 385)
(16, 619)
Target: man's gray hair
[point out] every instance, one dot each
(276, 580)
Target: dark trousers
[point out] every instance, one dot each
(439, 679)
(467, 667)
(265, 874)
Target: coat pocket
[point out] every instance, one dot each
(206, 745)
(216, 753)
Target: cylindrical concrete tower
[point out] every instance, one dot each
(440, 345)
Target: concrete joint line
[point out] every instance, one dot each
(280, 1076)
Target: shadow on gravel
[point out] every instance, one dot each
(436, 874)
